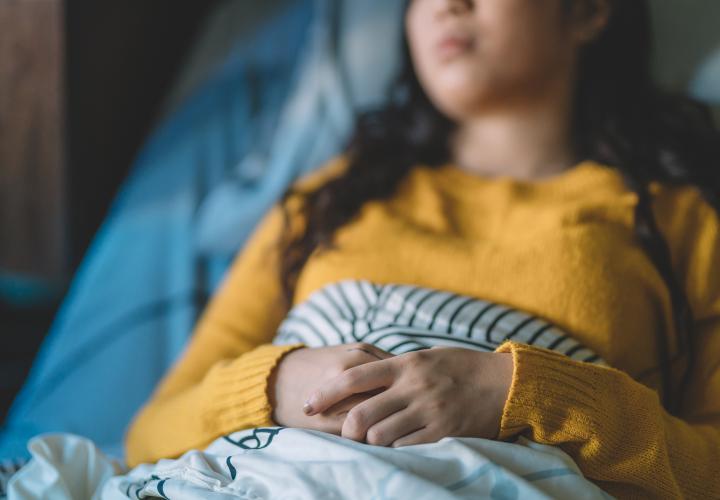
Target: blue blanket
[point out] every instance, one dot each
(135, 299)
(282, 105)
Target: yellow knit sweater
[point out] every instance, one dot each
(561, 248)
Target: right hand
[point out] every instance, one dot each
(303, 370)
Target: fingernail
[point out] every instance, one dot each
(307, 408)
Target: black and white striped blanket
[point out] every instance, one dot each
(403, 318)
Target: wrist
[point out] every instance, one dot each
(504, 371)
(274, 375)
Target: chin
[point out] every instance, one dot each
(459, 95)
(460, 104)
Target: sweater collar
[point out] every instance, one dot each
(578, 179)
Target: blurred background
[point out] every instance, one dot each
(81, 83)
(129, 130)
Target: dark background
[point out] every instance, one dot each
(122, 58)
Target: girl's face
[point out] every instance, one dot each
(474, 56)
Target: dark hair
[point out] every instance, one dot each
(621, 120)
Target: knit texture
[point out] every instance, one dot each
(561, 248)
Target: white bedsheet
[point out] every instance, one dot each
(288, 463)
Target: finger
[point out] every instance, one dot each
(371, 350)
(361, 378)
(420, 436)
(341, 408)
(394, 427)
(366, 414)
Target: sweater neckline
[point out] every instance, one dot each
(573, 180)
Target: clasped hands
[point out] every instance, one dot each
(361, 392)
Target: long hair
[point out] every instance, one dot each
(621, 119)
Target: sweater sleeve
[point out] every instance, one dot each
(220, 383)
(616, 428)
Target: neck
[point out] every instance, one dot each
(530, 142)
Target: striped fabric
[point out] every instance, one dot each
(403, 318)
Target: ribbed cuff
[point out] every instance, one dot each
(237, 392)
(549, 394)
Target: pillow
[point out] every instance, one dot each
(348, 65)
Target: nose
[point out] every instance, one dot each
(453, 7)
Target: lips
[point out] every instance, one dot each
(453, 45)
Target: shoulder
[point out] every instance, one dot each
(691, 226)
(287, 215)
(684, 209)
(315, 179)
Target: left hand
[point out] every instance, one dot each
(428, 395)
